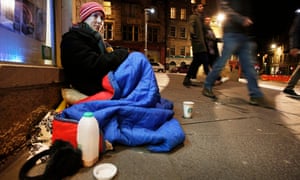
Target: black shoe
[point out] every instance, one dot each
(290, 92)
(262, 101)
(208, 93)
(187, 82)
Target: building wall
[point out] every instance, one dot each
(176, 41)
(27, 93)
(120, 17)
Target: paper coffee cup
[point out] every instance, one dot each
(188, 109)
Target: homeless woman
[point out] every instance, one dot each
(121, 88)
(83, 51)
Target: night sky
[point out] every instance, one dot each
(273, 21)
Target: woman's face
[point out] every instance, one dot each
(96, 21)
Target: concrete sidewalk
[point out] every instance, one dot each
(225, 139)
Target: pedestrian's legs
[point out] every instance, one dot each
(205, 62)
(230, 46)
(212, 58)
(193, 69)
(246, 58)
(294, 79)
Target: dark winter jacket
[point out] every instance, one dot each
(236, 11)
(196, 28)
(211, 41)
(85, 60)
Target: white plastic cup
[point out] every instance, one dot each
(188, 109)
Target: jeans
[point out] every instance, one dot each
(243, 47)
(198, 59)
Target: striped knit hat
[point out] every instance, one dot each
(88, 8)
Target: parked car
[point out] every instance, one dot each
(181, 69)
(174, 69)
(158, 67)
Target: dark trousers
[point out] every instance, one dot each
(198, 59)
(212, 58)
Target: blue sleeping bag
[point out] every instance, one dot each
(137, 114)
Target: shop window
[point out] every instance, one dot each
(107, 7)
(172, 32)
(182, 32)
(172, 51)
(26, 30)
(182, 14)
(130, 32)
(172, 13)
(108, 31)
(182, 50)
(153, 34)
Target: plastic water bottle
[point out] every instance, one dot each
(88, 139)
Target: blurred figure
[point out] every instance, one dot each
(238, 40)
(267, 62)
(196, 28)
(212, 45)
(294, 42)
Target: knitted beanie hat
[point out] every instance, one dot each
(88, 8)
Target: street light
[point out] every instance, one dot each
(147, 12)
(273, 46)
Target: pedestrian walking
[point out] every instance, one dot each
(294, 42)
(212, 46)
(238, 40)
(196, 28)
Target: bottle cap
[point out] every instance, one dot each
(88, 114)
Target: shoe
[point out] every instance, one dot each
(224, 79)
(208, 93)
(262, 101)
(187, 82)
(290, 92)
(194, 80)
